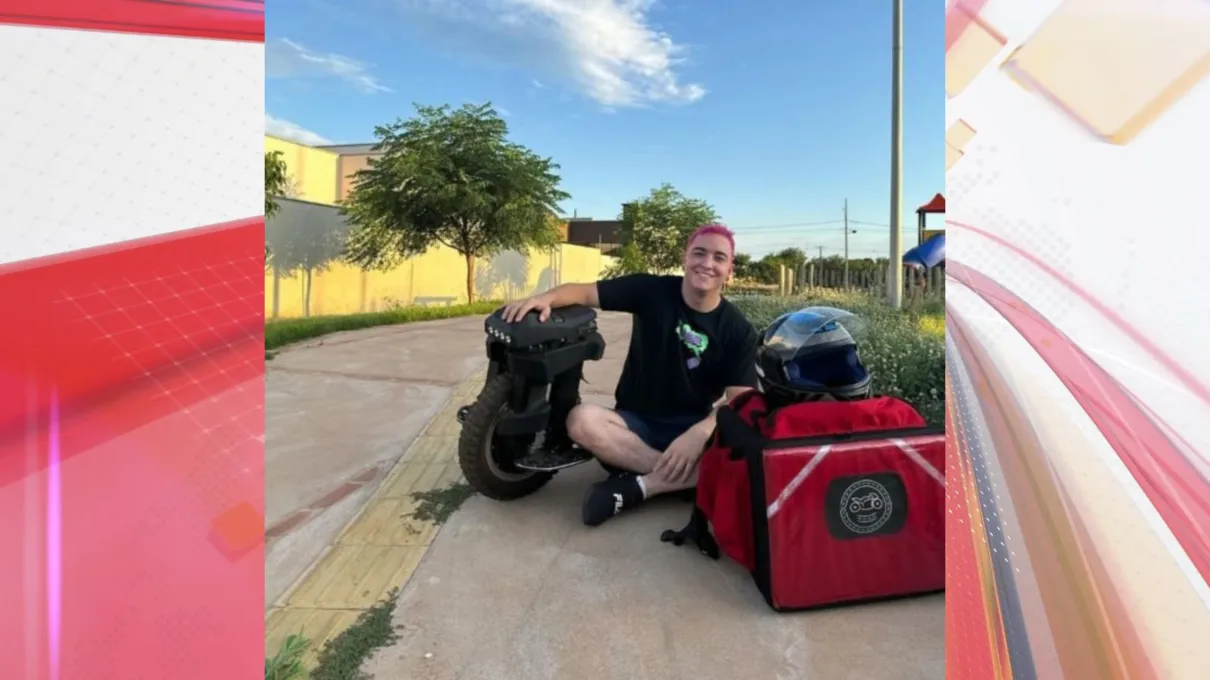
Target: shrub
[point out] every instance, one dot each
(904, 350)
(281, 332)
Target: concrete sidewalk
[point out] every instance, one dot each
(341, 412)
(522, 589)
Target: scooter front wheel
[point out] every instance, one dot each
(485, 465)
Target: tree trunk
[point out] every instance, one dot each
(470, 279)
(276, 292)
(307, 294)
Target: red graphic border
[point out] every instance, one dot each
(239, 20)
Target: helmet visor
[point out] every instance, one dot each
(811, 330)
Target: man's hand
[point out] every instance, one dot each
(680, 460)
(515, 311)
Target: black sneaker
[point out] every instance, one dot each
(551, 453)
(608, 498)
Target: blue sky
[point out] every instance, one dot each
(775, 111)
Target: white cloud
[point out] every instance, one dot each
(288, 59)
(294, 132)
(607, 48)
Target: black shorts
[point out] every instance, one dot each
(658, 433)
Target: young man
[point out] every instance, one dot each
(689, 348)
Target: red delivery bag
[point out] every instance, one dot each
(825, 502)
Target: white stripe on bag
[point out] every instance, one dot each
(901, 444)
(912, 453)
(798, 480)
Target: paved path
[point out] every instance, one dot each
(340, 413)
(522, 589)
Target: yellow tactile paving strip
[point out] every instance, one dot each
(382, 546)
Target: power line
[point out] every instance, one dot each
(812, 246)
(789, 225)
(809, 227)
(816, 226)
(778, 230)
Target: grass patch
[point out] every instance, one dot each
(436, 505)
(287, 664)
(904, 349)
(344, 655)
(281, 332)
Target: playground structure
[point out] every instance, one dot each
(935, 206)
(930, 249)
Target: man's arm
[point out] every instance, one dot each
(630, 293)
(623, 294)
(729, 395)
(681, 458)
(573, 294)
(740, 375)
(560, 296)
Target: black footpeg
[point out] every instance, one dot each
(461, 415)
(551, 460)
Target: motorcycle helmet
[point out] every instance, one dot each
(812, 354)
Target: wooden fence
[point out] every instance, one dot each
(916, 282)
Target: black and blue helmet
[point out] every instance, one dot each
(811, 354)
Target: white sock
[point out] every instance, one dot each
(642, 487)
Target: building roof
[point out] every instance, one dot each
(589, 232)
(936, 205)
(348, 149)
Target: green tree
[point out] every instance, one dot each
(659, 226)
(792, 258)
(743, 265)
(277, 180)
(303, 242)
(628, 259)
(451, 176)
(766, 270)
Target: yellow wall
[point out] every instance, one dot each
(313, 172)
(439, 273)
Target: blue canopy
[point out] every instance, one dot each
(928, 254)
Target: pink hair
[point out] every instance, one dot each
(707, 229)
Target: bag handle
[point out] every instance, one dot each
(736, 434)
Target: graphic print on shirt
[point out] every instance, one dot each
(696, 343)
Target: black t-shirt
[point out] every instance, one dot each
(680, 360)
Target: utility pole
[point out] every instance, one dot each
(895, 278)
(846, 244)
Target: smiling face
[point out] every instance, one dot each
(708, 262)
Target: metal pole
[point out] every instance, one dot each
(846, 244)
(895, 280)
